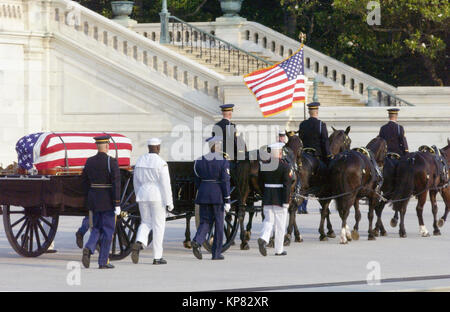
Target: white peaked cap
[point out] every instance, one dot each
(276, 146)
(154, 141)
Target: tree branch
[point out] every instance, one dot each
(196, 10)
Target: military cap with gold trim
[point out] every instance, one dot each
(393, 110)
(227, 107)
(313, 105)
(103, 139)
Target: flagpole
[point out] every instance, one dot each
(302, 37)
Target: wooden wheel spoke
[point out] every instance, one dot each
(30, 249)
(46, 222)
(125, 188)
(42, 230)
(18, 221)
(25, 236)
(113, 247)
(21, 230)
(119, 236)
(38, 241)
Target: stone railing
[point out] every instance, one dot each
(74, 21)
(11, 15)
(327, 69)
(254, 37)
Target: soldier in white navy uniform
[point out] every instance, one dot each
(154, 194)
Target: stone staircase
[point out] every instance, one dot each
(214, 59)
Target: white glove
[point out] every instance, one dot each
(170, 207)
(286, 206)
(227, 207)
(117, 210)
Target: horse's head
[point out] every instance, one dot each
(446, 151)
(294, 143)
(340, 141)
(378, 146)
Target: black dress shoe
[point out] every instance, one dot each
(135, 248)
(196, 250)
(262, 247)
(106, 266)
(86, 259)
(79, 239)
(50, 251)
(219, 258)
(284, 253)
(159, 261)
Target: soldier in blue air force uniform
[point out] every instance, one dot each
(101, 181)
(212, 179)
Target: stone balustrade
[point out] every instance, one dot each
(72, 20)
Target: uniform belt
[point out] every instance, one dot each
(274, 185)
(211, 181)
(101, 185)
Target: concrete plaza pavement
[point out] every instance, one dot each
(408, 264)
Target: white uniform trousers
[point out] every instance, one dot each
(274, 219)
(153, 217)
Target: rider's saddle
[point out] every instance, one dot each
(440, 160)
(375, 170)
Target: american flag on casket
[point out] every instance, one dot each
(46, 150)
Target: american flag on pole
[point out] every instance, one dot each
(46, 150)
(277, 87)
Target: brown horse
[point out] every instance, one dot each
(353, 176)
(416, 174)
(312, 177)
(445, 192)
(293, 148)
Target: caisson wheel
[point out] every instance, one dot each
(28, 231)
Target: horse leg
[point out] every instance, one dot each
(394, 220)
(248, 231)
(323, 215)
(379, 227)
(445, 193)
(355, 234)
(330, 232)
(372, 204)
(343, 213)
(298, 236)
(187, 233)
(290, 227)
(241, 216)
(419, 209)
(434, 210)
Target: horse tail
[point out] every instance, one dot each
(404, 182)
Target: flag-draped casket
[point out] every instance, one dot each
(47, 150)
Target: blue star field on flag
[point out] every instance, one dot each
(293, 66)
(24, 149)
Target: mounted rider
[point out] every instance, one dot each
(394, 134)
(314, 135)
(228, 131)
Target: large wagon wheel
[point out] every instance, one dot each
(230, 225)
(29, 233)
(128, 222)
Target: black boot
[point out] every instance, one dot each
(135, 248)
(196, 250)
(86, 258)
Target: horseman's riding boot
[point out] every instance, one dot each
(86, 258)
(79, 239)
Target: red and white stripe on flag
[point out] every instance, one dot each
(50, 149)
(277, 87)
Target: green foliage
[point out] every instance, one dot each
(408, 48)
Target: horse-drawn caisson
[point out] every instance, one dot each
(47, 184)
